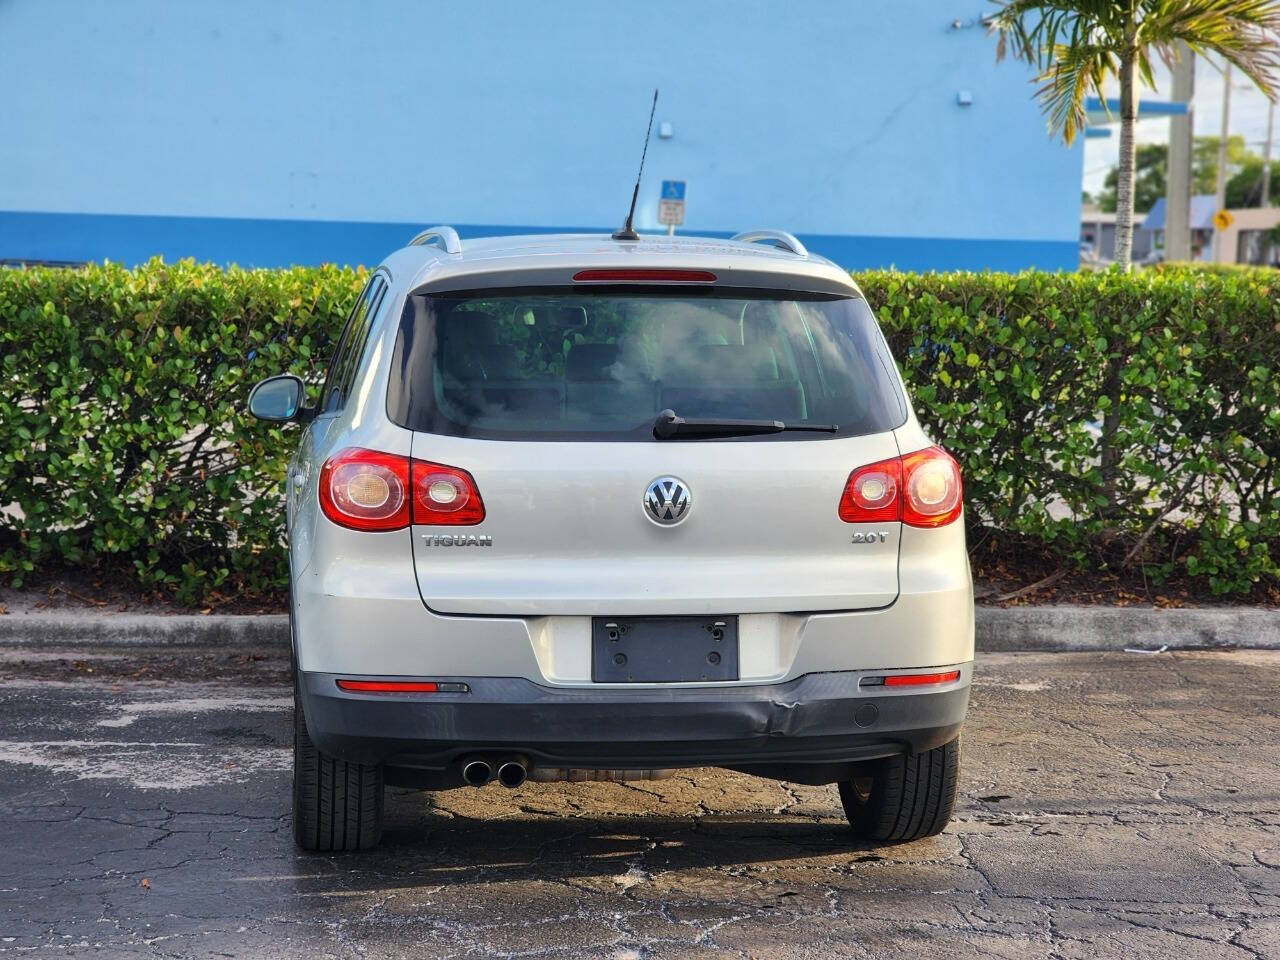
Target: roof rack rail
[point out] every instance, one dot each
(780, 238)
(445, 237)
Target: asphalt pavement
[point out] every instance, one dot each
(1112, 805)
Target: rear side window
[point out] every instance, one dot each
(564, 364)
(346, 357)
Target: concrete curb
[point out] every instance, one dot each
(142, 629)
(998, 629)
(1115, 628)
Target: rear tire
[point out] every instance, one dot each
(904, 797)
(337, 806)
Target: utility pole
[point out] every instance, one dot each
(1177, 214)
(1266, 155)
(1220, 192)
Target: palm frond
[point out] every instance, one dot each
(1035, 27)
(1075, 71)
(1032, 29)
(1074, 45)
(1244, 32)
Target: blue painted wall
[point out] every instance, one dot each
(278, 132)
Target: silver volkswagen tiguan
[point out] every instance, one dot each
(585, 508)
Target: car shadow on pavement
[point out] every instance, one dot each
(514, 843)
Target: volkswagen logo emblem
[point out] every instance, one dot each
(666, 501)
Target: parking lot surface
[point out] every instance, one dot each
(1112, 805)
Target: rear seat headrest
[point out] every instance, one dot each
(475, 326)
(571, 318)
(590, 361)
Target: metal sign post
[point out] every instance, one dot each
(1177, 232)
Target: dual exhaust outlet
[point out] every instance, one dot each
(511, 771)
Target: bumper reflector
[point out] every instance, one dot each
(910, 679)
(918, 679)
(402, 686)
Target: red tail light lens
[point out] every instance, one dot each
(934, 494)
(445, 495)
(365, 489)
(872, 493)
(921, 489)
(369, 490)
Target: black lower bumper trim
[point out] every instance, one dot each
(817, 719)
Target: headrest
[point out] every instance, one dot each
(590, 361)
(570, 318)
(475, 326)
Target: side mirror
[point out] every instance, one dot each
(278, 399)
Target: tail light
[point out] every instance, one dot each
(872, 493)
(445, 495)
(369, 490)
(920, 489)
(933, 491)
(365, 489)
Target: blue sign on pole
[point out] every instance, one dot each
(671, 204)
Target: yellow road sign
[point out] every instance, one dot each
(1223, 219)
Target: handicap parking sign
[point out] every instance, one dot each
(671, 203)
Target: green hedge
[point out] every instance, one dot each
(1117, 418)
(123, 434)
(1103, 416)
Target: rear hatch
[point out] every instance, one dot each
(548, 398)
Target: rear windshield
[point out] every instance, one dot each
(563, 364)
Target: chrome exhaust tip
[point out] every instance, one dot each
(512, 773)
(477, 772)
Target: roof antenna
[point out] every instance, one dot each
(627, 233)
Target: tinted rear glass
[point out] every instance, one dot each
(563, 364)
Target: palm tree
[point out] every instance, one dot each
(1077, 44)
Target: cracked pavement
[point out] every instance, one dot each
(1111, 805)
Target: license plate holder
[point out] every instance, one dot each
(664, 649)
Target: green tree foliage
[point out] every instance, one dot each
(1244, 187)
(1151, 164)
(1204, 160)
(127, 448)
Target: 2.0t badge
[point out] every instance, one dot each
(667, 501)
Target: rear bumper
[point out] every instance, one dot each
(357, 609)
(800, 729)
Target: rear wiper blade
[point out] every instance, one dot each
(669, 425)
